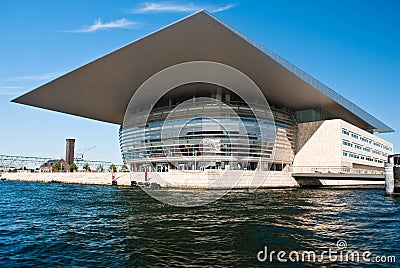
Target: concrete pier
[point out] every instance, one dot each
(89, 178)
(389, 179)
(174, 179)
(208, 179)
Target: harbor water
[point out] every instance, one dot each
(43, 224)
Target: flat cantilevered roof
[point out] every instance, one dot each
(102, 89)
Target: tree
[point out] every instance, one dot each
(100, 168)
(73, 167)
(86, 167)
(124, 168)
(112, 168)
(57, 166)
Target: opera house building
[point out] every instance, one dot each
(200, 98)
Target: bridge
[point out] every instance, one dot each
(32, 162)
(319, 176)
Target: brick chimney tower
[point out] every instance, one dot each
(69, 152)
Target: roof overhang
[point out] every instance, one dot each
(102, 89)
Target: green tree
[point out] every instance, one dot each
(86, 167)
(112, 168)
(100, 168)
(73, 167)
(124, 168)
(57, 166)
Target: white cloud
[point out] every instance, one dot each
(10, 90)
(32, 77)
(115, 24)
(223, 8)
(165, 7)
(158, 7)
(24, 81)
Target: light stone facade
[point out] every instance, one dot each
(336, 143)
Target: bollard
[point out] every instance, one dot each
(155, 186)
(389, 178)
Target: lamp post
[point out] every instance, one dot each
(195, 158)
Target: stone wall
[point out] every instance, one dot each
(305, 131)
(320, 144)
(73, 178)
(172, 179)
(219, 179)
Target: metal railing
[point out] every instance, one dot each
(334, 170)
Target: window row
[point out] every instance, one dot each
(364, 139)
(362, 157)
(364, 148)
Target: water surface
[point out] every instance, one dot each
(77, 225)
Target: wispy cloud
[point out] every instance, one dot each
(10, 90)
(158, 7)
(99, 25)
(223, 8)
(8, 85)
(32, 77)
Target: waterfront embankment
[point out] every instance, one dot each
(173, 179)
(208, 179)
(90, 178)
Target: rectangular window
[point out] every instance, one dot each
(347, 143)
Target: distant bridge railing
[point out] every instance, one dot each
(32, 162)
(334, 170)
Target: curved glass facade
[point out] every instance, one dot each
(204, 126)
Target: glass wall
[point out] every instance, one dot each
(312, 115)
(202, 126)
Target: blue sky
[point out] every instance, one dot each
(351, 46)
